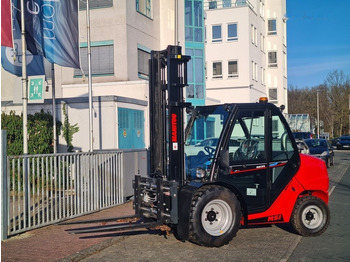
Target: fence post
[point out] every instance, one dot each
(4, 193)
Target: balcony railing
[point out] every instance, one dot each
(220, 4)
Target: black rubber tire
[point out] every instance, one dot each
(216, 227)
(332, 161)
(310, 217)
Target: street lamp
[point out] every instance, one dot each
(318, 115)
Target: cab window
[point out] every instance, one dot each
(282, 147)
(249, 136)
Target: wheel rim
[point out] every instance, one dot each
(217, 217)
(312, 217)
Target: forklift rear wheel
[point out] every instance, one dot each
(215, 216)
(310, 216)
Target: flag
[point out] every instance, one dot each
(52, 29)
(6, 23)
(11, 57)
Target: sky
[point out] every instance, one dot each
(318, 40)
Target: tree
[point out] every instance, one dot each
(333, 102)
(339, 89)
(68, 130)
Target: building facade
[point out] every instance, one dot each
(122, 35)
(246, 50)
(237, 49)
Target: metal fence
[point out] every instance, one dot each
(46, 189)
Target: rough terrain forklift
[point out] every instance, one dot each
(233, 164)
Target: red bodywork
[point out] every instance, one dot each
(310, 179)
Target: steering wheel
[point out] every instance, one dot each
(248, 150)
(209, 150)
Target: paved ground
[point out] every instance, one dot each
(272, 243)
(54, 243)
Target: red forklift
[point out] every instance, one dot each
(233, 165)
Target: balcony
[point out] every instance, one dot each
(220, 4)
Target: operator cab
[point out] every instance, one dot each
(247, 146)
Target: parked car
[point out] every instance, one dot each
(303, 148)
(320, 148)
(208, 146)
(202, 146)
(343, 142)
(334, 142)
(299, 136)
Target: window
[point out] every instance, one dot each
(282, 148)
(262, 9)
(271, 27)
(190, 91)
(95, 4)
(272, 94)
(232, 32)
(263, 80)
(142, 63)
(284, 64)
(102, 57)
(200, 91)
(194, 21)
(262, 42)
(217, 70)
(212, 5)
(232, 69)
(249, 132)
(144, 7)
(195, 73)
(188, 21)
(284, 32)
(254, 71)
(272, 56)
(226, 3)
(254, 34)
(216, 33)
(241, 2)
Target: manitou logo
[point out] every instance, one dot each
(173, 128)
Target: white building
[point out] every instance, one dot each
(246, 50)
(245, 54)
(123, 33)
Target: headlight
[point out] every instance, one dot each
(325, 153)
(200, 173)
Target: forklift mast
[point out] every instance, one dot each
(168, 77)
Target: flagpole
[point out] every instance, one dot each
(25, 109)
(91, 137)
(24, 82)
(54, 108)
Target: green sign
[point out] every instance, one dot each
(36, 88)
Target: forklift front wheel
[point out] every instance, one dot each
(215, 216)
(310, 216)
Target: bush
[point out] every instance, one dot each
(40, 132)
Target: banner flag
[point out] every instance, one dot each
(11, 57)
(6, 25)
(52, 29)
